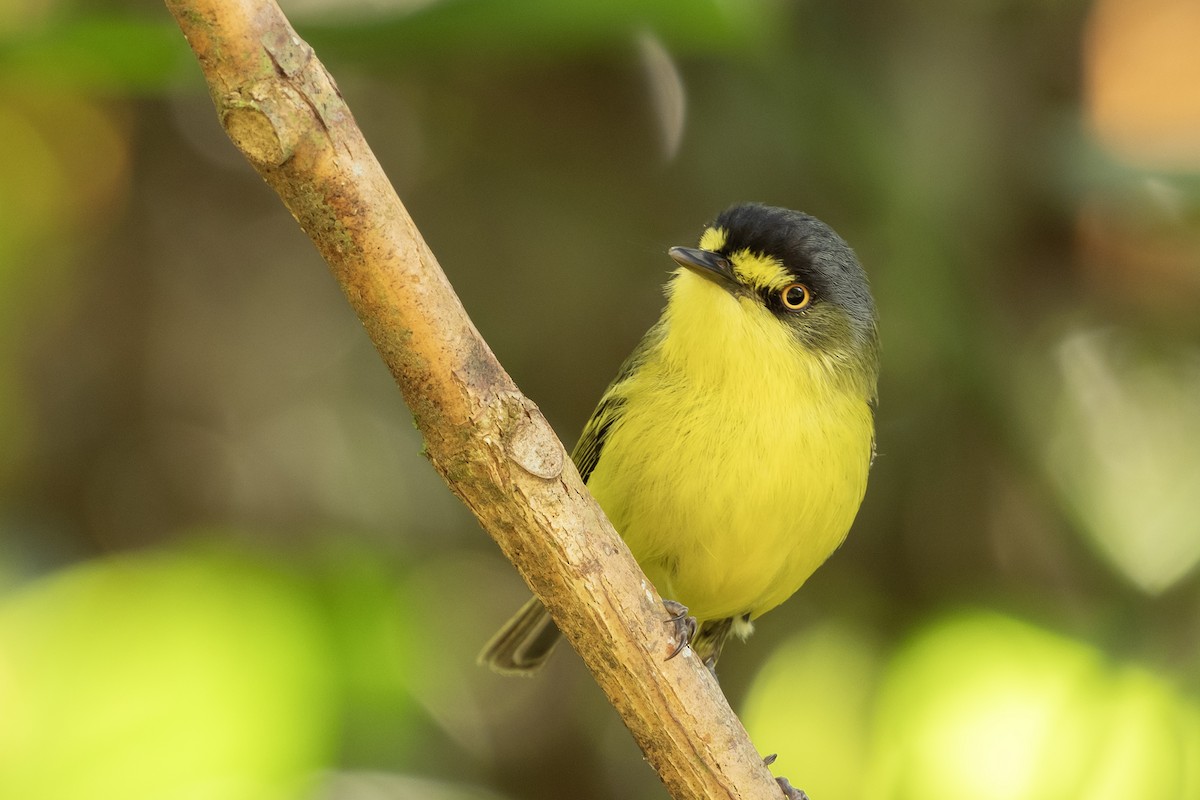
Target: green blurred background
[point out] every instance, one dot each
(226, 571)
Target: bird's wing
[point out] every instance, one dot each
(611, 406)
(591, 442)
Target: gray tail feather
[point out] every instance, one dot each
(522, 646)
(710, 640)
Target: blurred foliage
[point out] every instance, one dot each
(978, 705)
(135, 677)
(984, 706)
(226, 572)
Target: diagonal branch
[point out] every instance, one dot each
(490, 444)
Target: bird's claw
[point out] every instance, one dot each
(789, 791)
(685, 625)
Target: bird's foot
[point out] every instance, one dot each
(685, 625)
(789, 791)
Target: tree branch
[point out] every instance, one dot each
(490, 444)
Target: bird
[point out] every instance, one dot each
(731, 452)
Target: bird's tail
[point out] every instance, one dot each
(710, 639)
(522, 646)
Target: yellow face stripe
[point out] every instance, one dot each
(751, 269)
(713, 239)
(759, 271)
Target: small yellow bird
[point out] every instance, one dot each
(731, 452)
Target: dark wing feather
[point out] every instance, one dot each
(611, 406)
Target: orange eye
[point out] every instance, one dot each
(795, 297)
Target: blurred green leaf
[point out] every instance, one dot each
(106, 53)
(541, 28)
(811, 702)
(175, 675)
(986, 707)
(117, 53)
(1119, 448)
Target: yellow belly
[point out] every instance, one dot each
(733, 473)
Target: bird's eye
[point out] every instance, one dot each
(795, 297)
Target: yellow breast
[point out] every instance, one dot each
(739, 460)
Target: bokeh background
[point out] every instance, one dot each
(227, 572)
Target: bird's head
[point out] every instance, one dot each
(788, 275)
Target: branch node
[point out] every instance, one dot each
(532, 445)
(262, 120)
